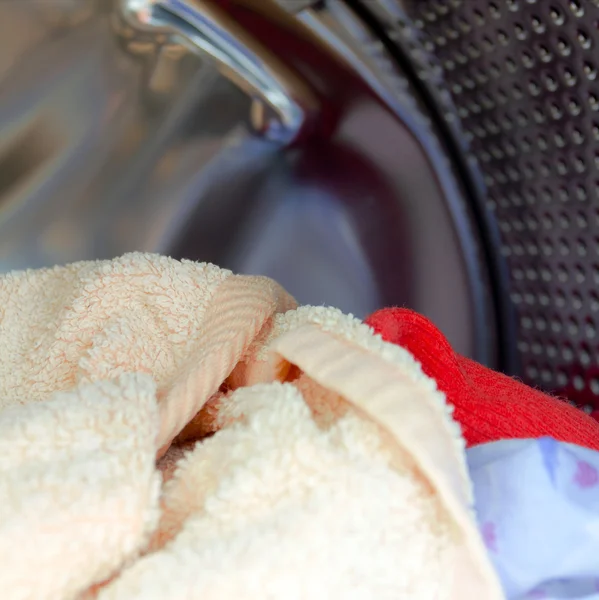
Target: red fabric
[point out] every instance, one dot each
(489, 406)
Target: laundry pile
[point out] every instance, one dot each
(533, 461)
(170, 430)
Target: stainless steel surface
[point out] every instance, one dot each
(290, 146)
(296, 6)
(407, 41)
(107, 128)
(209, 29)
(449, 276)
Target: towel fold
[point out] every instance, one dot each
(171, 430)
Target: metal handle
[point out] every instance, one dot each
(204, 27)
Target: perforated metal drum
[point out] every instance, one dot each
(524, 78)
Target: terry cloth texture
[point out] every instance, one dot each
(170, 430)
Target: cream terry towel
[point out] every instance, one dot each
(170, 430)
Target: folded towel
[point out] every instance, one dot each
(299, 454)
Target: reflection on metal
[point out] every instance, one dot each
(446, 214)
(262, 140)
(296, 6)
(205, 27)
(124, 132)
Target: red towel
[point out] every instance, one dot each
(488, 405)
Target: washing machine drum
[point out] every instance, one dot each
(523, 75)
(437, 154)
